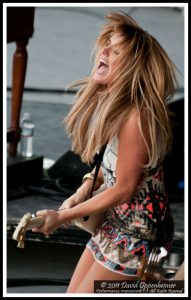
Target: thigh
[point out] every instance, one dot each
(98, 272)
(84, 264)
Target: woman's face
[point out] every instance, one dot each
(109, 58)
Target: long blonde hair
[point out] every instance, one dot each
(145, 81)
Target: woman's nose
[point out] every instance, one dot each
(106, 51)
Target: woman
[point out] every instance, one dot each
(122, 104)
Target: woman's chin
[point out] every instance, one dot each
(99, 79)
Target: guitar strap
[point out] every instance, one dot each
(97, 162)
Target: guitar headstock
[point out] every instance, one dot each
(27, 222)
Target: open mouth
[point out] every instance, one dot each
(102, 64)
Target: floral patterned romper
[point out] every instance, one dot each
(133, 228)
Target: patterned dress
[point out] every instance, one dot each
(132, 229)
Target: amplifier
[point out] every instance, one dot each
(21, 170)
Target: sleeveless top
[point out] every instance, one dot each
(133, 228)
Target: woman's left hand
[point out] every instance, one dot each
(53, 220)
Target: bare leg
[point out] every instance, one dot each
(98, 272)
(85, 262)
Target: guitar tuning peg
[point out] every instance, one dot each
(21, 242)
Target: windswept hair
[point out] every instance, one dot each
(144, 81)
